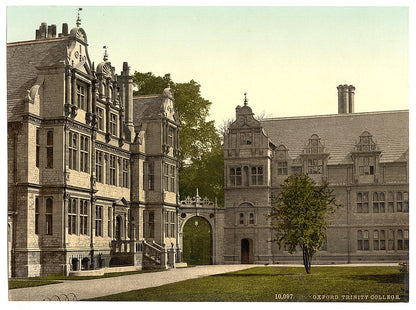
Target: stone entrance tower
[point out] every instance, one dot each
(247, 190)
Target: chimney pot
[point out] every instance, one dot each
(53, 30)
(65, 29)
(43, 30)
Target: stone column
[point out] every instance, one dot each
(68, 84)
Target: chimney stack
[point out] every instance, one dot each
(45, 31)
(42, 30)
(346, 98)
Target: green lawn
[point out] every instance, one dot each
(37, 281)
(280, 284)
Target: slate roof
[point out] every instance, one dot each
(340, 133)
(146, 106)
(22, 60)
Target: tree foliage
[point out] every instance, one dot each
(199, 140)
(299, 216)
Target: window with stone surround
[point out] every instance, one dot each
(172, 174)
(282, 167)
(246, 138)
(362, 202)
(165, 177)
(99, 221)
(113, 124)
(376, 241)
(257, 175)
(73, 150)
(125, 173)
(362, 239)
(81, 96)
(112, 167)
(241, 220)
(37, 214)
(390, 240)
(84, 153)
(110, 222)
(402, 202)
(235, 176)
(100, 118)
(171, 136)
(151, 176)
(315, 166)
(400, 243)
(379, 202)
(99, 166)
(251, 218)
(151, 225)
(172, 224)
(49, 149)
(390, 202)
(366, 165)
(72, 216)
(49, 216)
(379, 240)
(83, 217)
(37, 147)
(406, 239)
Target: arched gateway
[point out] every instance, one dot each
(197, 214)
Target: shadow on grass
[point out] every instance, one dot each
(380, 278)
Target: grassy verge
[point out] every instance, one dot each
(358, 284)
(13, 284)
(37, 281)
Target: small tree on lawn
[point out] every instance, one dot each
(299, 216)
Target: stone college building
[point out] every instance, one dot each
(93, 171)
(363, 156)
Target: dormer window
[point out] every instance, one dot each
(366, 165)
(366, 156)
(314, 146)
(366, 143)
(315, 166)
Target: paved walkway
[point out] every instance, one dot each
(84, 289)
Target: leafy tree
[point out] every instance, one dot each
(299, 216)
(206, 174)
(199, 141)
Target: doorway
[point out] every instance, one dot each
(118, 228)
(246, 251)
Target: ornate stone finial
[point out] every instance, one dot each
(105, 47)
(197, 192)
(79, 18)
(245, 99)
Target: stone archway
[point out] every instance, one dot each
(212, 214)
(197, 241)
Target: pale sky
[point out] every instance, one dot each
(289, 60)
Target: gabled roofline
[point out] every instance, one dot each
(47, 40)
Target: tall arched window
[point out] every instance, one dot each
(49, 216)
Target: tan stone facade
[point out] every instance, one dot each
(363, 156)
(93, 172)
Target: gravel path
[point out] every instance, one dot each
(84, 289)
